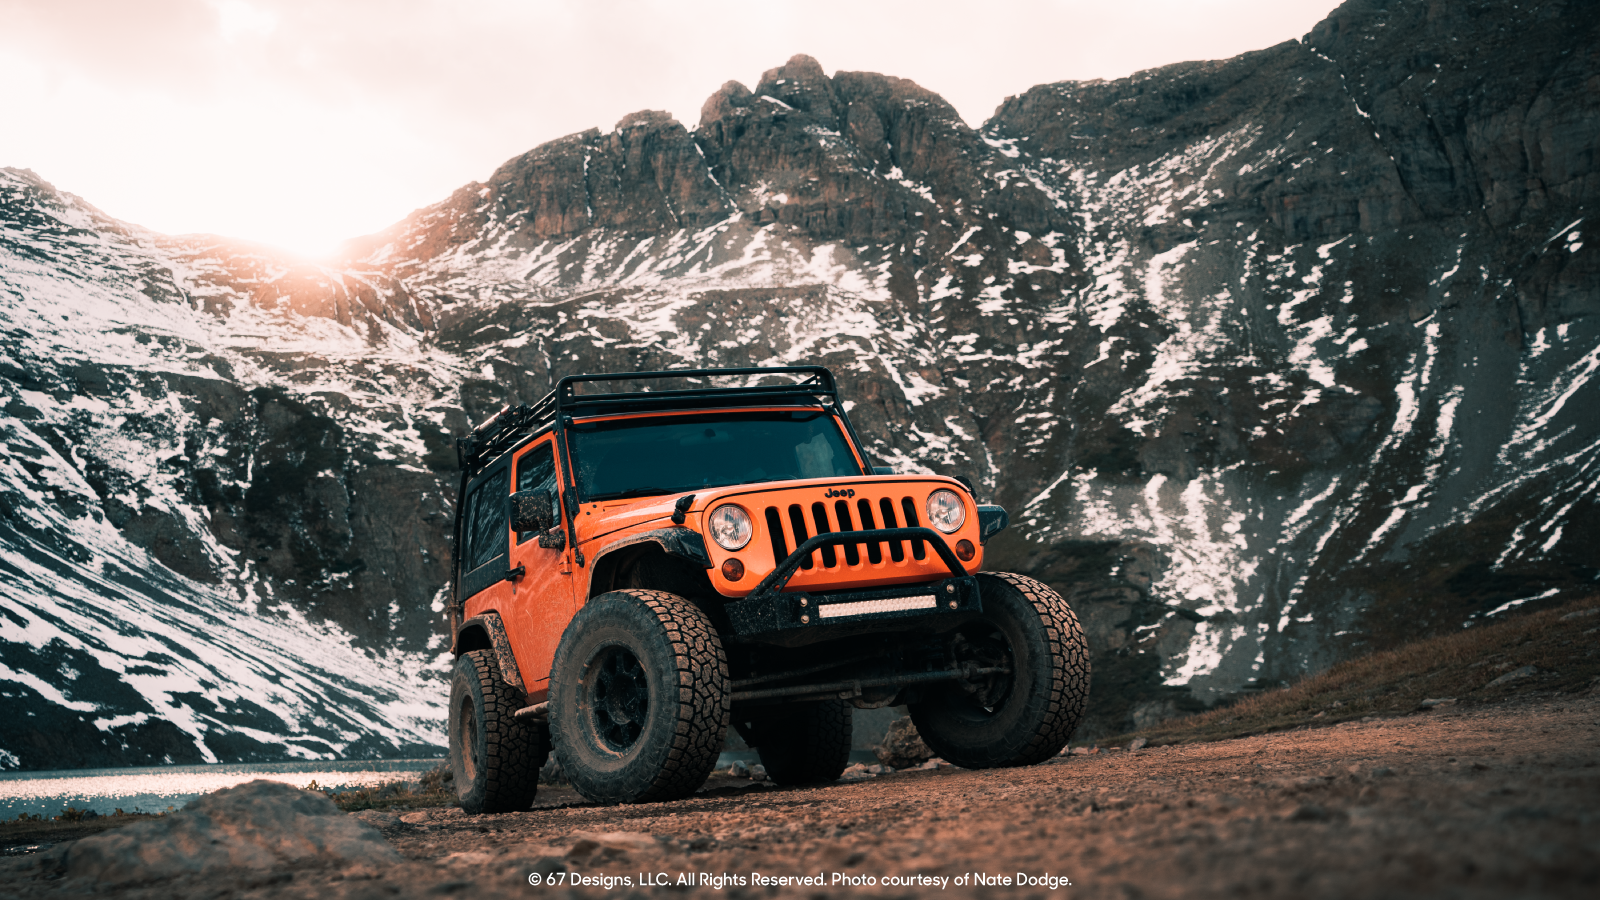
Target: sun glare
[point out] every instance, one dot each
(237, 19)
(302, 126)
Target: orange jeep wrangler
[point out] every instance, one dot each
(635, 570)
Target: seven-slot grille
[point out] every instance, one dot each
(792, 525)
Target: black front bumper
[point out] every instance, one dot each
(770, 615)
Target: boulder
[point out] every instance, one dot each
(1514, 675)
(552, 772)
(902, 747)
(259, 825)
(857, 772)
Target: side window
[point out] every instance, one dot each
(536, 471)
(485, 528)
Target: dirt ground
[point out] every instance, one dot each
(1496, 802)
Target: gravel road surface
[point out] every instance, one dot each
(1497, 802)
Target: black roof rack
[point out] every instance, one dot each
(512, 424)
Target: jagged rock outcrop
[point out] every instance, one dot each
(645, 176)
(1273, 360)
(1401, 184)
(840, 158)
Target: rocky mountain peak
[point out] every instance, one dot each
(644, 176)
(858, 157)
(732, 96)
(801, 84)
(649, 119)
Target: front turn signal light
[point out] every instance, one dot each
(965, 551)
(733, 570)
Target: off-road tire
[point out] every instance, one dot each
(1040, 702)
(803, 743)
(494, 757)
(639, 698)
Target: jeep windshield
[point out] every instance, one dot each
(669, 454)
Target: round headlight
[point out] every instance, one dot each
(946, 512)
(730, 526)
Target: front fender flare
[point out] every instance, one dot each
(683, 543)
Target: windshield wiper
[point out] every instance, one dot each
(764, 478)
(636, 492)
(657, 491)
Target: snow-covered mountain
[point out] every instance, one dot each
(1273, 360)
(179, 546)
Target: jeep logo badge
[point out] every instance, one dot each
(840, 492)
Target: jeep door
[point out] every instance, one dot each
(541, 601)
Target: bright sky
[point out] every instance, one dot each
(301, 123)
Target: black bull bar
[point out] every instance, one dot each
(769, 613)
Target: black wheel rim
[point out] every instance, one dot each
(981, 645)
(619, 697)
(467, 739)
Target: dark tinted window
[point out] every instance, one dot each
(536, 471)
(668, 454)
(485, 528)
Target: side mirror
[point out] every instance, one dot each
(532, 511)
(884, 470)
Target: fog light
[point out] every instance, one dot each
(964, 551)
(733, 570)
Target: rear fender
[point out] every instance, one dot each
(487, 632)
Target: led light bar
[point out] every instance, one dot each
(868, 607)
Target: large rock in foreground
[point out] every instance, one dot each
(902, 746)
(261, 825)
